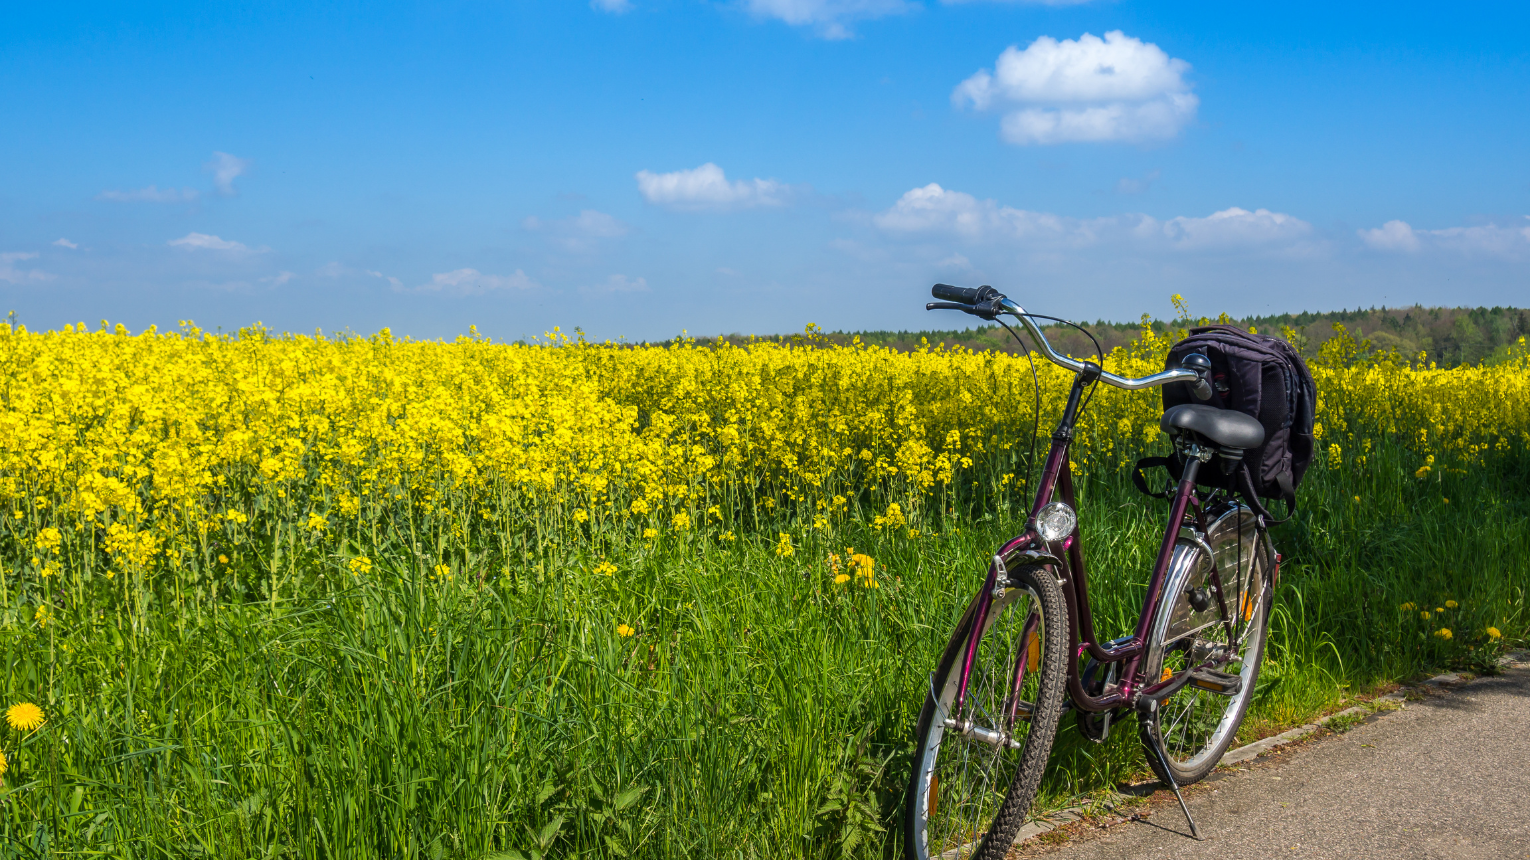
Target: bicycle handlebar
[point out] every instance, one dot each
(986, 302)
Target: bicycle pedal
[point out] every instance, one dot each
(1213, 681)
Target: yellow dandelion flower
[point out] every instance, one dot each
(1451, 604)
(4, 765)
(1438, 610)
(624, 631)
(24, 717)
(841, 579)
(1424, 616)
(1493, 635)
(1444, 633)
(1406, 607)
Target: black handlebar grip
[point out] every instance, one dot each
(1201, 389)
(965, 295)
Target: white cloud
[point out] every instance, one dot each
(830, 19)
(205, 242)
(225, 168)
(618, 284)
(65, 243)
(1018, 2)
(1235, 227)
(1488, 240)
(615, 7)
(397, 284)
(471, 282)
(1391, 236)
(706, 187)
(933, 210)
(278, 279)
(580, 233)
(1091, 89)
(151, 194)
(13, 275)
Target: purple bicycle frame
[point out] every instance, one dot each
(1068, 566)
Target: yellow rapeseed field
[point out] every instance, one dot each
(169, 452)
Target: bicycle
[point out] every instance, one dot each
(1012, 665)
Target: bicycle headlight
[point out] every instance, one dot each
(1055, 521)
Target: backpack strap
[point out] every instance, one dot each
(1287, 495)
(1139, 480)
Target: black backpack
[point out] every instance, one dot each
(1266, 378)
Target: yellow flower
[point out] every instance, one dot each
(681, 521)
(1424, 616)
(1451, 604)
(4, 765)
(1422, 471)
(606, 568)
(1493, 634)
(361, 565)
(580, 516)
(1443, 633)
(317, 522)
(650, 534)
(24, 717)
(223, 559)
(1407, 607)
(841, 579)
(624, 631)
(1439, 609)
(784, 545)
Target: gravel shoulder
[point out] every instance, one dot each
(1444, 777)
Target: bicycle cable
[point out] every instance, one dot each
(1030, 463)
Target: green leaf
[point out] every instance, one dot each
(626, 798)
(549, 833)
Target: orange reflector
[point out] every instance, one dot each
(1033, 652)
(934, 793)
(1248, 605)
(1167, 674)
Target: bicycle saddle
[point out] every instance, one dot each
(1223, 426)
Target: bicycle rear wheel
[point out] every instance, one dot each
(977, 765)
(1191, 730)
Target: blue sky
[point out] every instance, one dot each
(641, 167)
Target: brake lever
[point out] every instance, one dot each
(988, 310)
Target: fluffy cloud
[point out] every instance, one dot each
(706, 187)
(225, 168)
(933, 210)
(65, 243)
(471, 282)
(151, 194)
(615, 7)
(830, 19)
(13, 275)
(1091, 89)
(205, 242)
(581, 233)
(1489, 240)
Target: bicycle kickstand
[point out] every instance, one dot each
(1195, 831)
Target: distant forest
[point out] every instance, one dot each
(1446, 336)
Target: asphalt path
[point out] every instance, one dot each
(1446, 777)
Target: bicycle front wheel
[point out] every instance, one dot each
(977, 763)
(1191, 730)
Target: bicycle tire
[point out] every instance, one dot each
(1190, 731)
(991, 838)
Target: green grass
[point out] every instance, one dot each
(757, 706)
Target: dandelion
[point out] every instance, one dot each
(1493, 635)
(1406, 607)
(841, 579)
(1422, 471)
(4, 765)
(1444, 633)
(1424, 616)
(1439, 610)
(24, 717)
(624, 631)
(1451, 604)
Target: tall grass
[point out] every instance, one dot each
(493, 706)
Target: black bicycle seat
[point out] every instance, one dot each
(1223, 426)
